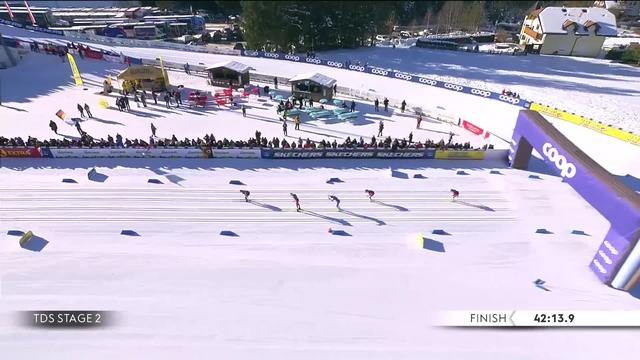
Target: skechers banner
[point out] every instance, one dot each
(347, 154)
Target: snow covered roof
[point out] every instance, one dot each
(232, 65)
(316, 78)
(559, 20)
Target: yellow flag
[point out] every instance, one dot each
(74, 70)
(164, 74)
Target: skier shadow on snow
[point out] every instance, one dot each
(482, 207)
(143, 114)
(266, 206)
(109, 122)
(377, 221)
(13, 108)
(339, 221)
(434, 131)
(397, 207)
(161, 108)
(266, 119)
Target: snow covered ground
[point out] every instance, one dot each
(285, 287)
(27, 111)
(595, 88)
(54, 90)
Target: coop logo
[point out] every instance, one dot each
(453, 87)
(599, 266)
(335, 64)
(296, 154)
(611, 248)
(379, 72)
(292, 57)
(403, 76)
(349, 154)
(566, 168)
(356, 68)
(313, 61)
(509, 99)
(428, 81)
(483, 93)
(251, 53)
(400, 155)
(272, 55)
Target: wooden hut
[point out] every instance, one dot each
(312, 86)
(229, 73)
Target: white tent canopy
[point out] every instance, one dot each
(316, 78)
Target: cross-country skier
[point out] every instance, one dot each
(454, 194)
(244, 111)
(386, 104)
(370, 194)
(295, 198)
(403, 106)
(87, 109)
(376, 105)
(246, 194)
(335, 198)
(81, 110)
(380, 128)
(419, 120)
(153, 130)
(284, 127)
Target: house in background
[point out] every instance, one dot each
(567, 31)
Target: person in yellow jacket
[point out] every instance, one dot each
(297, 122)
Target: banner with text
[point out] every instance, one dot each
(22, 152)
(459, 155)
(588, 123)
(129, 153)
(347, 154)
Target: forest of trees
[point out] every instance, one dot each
(319, 25)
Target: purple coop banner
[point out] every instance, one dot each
(620, 205)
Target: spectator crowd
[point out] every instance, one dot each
(86, 141)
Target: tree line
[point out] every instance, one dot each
(319, 25)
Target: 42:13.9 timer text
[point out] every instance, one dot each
(553, 318)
